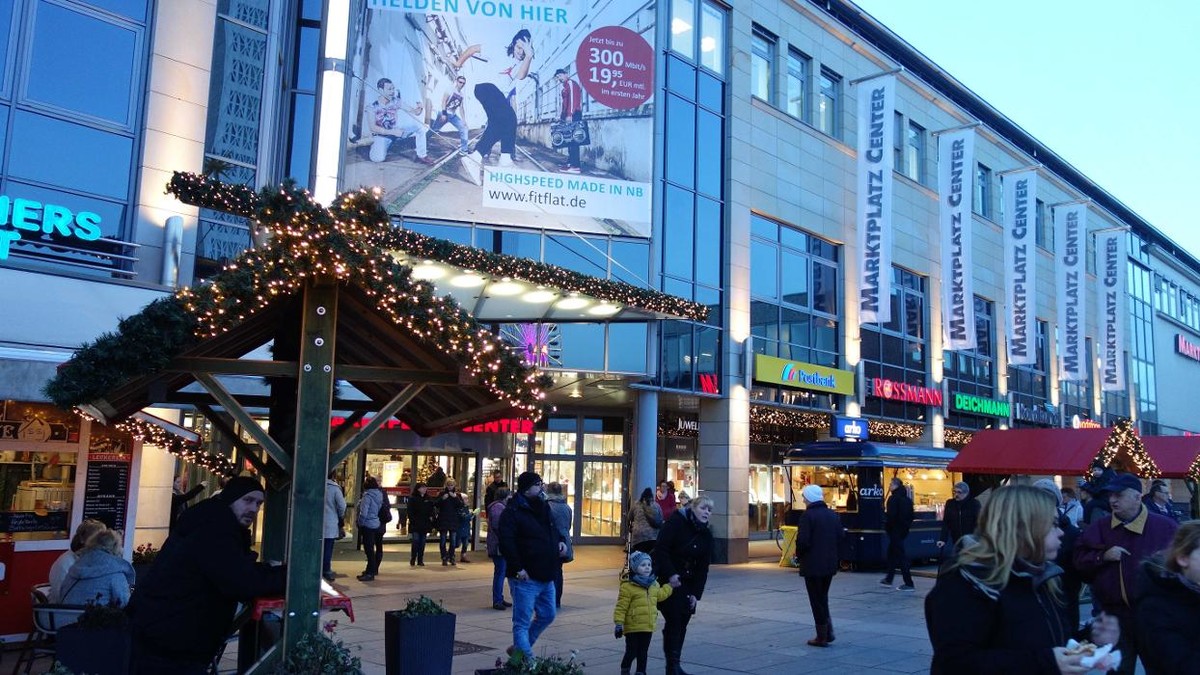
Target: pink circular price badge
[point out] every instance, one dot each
(616, 67)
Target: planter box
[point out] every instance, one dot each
(95, 651)
(422, 645)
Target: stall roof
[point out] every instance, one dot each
(1031, 451)
(1176, 456)
(868, 454)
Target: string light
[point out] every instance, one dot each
(150, 434)
(956, 438)
(1124, 442)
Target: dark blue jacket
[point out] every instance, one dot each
(528, 540)
(817, 540)
(899, 518)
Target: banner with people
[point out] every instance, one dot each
(506, 112)
(956, 166)
(1070, 231)
(1110, 303)
(1020, 265)
(876, 126)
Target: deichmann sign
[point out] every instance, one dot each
(978, 405)
(772, 370)
(1185, 348)
(902, 391)
(441, 85)
(27, 215)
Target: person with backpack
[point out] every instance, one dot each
(373, 506)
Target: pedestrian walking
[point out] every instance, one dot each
(1167, 609)
(1072, 583)
(531, 548)
(495, 511)
(636, 612)
(420, 522)
(958, 518)
(448, 518)
(897, 522)
(645, 520)
(370, 527)
(335, 511)
(817, 538)
(681, 556)
(995, 608)
(560, 515)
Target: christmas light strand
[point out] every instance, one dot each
(1124, 441)
(150, 434)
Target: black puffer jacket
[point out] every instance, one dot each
(447, 511)
(684, 547)
(420, 513)
(1168, 620)
(184, 608)
(975, 628)
(899, 517)
(528, 540)
(959, 519)
(817, 540)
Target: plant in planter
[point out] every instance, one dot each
(518, 664)
(99, 643)
(320, 653)
(419, 638)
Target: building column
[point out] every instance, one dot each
(645, 445)
(725, 473)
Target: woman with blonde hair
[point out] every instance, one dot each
(998, 608)
(100, 576)
(681, 557)
(1168, 605)
(58, 571)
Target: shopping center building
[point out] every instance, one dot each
(776, 162)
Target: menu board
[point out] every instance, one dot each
(106, 493)
(31, 521)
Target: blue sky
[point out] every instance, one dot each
(1111, 87)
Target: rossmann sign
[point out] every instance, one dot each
(902, 391)
(776, 371)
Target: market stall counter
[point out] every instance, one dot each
(854, 476)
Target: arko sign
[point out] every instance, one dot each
(849, 427)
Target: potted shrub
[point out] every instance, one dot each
(320, 653)
(419, 639)
(98, 644)
(143, 557)
(517, 664)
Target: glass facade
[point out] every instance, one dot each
(898, 350)
(1140, 339)
(586, 455)
(973, 371)
(1030, 385)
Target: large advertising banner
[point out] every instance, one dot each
(876, 123)
(1110, 301)
(956, 166)
(1070, 230)
(1020, 265)
(537, 113)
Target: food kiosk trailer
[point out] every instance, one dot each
(855, 476)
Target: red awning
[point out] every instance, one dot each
(1031, 451)
(1174, 455)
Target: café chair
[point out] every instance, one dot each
(47, 619)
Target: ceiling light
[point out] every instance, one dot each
(539, 296)
(506, 287)
(604, 310)
(427, 271)
(575, 394)
(573, 302)
(468, 280)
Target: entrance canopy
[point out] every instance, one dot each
(839, 453)
(1054, 451)
(1176, 456)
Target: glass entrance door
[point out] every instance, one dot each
(587, 456)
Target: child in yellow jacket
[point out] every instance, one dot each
(637, 610)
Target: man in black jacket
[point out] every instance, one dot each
(531, 548)
(817, 541)
(958, 518)
(897, 523)
(183, 611)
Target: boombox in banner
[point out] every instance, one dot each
(525, 113)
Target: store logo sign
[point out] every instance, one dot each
(1038, 414)
(687, 425)
(871, 492)
(772, 370)
(19, 215)
(509, 426)
(849, 427)
(902, 391)
(1185, 348)
(978, 405)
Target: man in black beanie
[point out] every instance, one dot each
(183, 611)
(531, 547)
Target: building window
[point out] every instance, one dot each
(973, 371)
(1030, 385)
(762, 65)
(683, 33)
(709, 41)
(983, 191)
(799, 67)
(1045, 229)
(914, 152)
(897, 351)
(829, 103)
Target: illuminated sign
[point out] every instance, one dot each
(978, 405)
(902, 391)
(772, 370)
(1038, 414)
(1078, 422)
(513, 426)
(849, 427)
(1185, 348)
(18, 215)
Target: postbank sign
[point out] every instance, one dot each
(777, 371)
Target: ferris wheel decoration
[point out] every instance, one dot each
(538, 344)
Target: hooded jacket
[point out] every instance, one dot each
(98, 577)
(369, 503)
(184, 608)
(817, 540)
(560, 515)
(637, 606)
(528, 540)
(335, 508)
(1167, 620)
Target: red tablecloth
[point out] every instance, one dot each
(329, 603)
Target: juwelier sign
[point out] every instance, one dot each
(19, 215)
(772, 370)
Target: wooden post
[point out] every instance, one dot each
(310, 461)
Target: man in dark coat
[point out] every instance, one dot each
(489, 494)
(897, 522)
(817, 541)
(682, 554)
(958, 518)
(183, 611)
(180, 496)
(531, 548)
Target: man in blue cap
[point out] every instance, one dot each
(1110, 550)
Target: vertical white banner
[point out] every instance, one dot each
(1070, 229)
(956, 168)
(876, 122)
(1020, 265)
(1111, 264)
